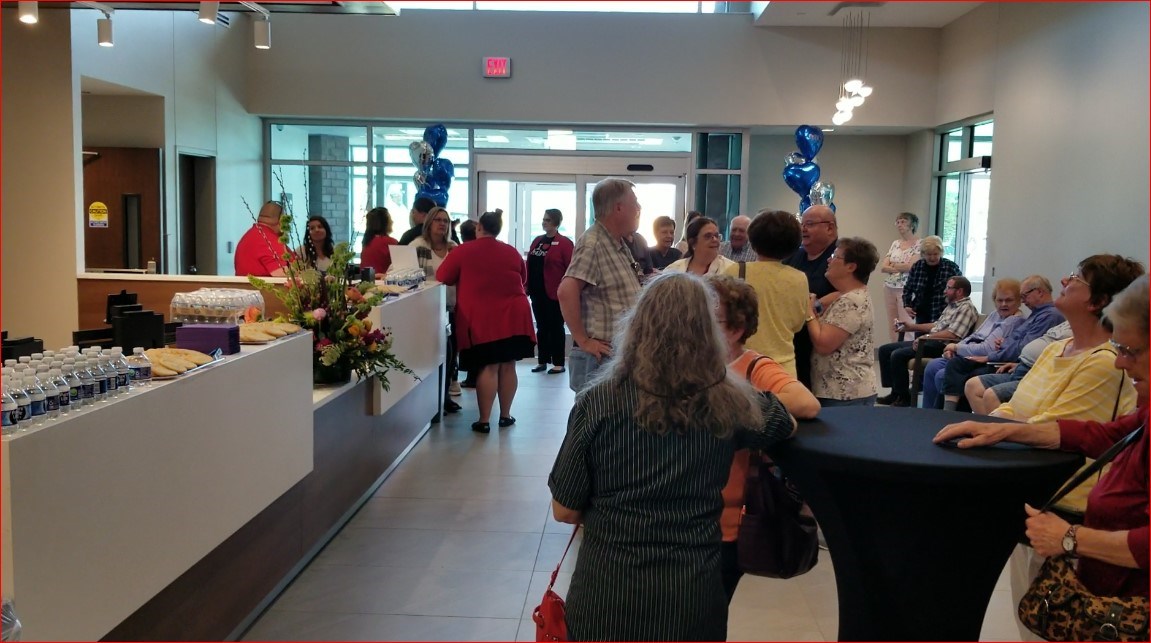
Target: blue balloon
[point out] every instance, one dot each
(439, 197)
(442, 172)
(801, 177)
(804, 204)
(437, 137)
(809, 140)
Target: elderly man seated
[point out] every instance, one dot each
(956, 322)
(983, 341)
(1044, 315)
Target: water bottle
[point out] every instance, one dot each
(10, 628)
(23, 404)
(63, 396)
(123, 371)
(10, 363)
(8, 414)
(51, 393)
(99, 377)
(87, 382)
(36, 395)
(105, 360)
(75, 386)
(141, 368)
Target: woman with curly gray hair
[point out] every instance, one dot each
(648, 450)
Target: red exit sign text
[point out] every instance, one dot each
(497, 67)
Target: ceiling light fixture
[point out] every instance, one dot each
(208, 12)
(103, 25)
(261, 26)
(29, 12)
(854, 90)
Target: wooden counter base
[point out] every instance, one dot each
(222, 595)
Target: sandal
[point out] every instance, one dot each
(558, 369)
(506, 422)
(481, 427)
(540, 368)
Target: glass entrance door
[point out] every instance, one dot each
(524, 197)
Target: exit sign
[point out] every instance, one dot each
(497, 67)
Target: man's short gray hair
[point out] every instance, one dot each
(606, 194)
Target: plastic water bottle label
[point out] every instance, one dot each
(64, 399)
(9, 417)
(23, 412)
(51, 403)
(87, 391)
(141, 372)
(101, 385)
(122, 379)
(37, 407)
(75, 393)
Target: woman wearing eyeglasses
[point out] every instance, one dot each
(548, 260)
(436, 238)
(702, 256)
(1112, 543)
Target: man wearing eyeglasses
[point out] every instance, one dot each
(1036, 293)
(602, 281)
(737, 247)
(819, 233)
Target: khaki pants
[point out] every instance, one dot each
(1024, 567)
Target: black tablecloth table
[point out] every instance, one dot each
(918, 533)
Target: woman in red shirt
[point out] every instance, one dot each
(493, 317)
(1112, 543)
(377, 231)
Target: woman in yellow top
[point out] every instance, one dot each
(781, 290)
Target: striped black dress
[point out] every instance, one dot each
(649, 565)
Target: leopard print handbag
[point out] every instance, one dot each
(1058, 607)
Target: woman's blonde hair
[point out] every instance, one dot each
(427, 233)
(931, 243)
(671, 348)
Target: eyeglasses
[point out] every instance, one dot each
(1126, 351)
(832, 257)
(439, 220)
(1077, 277)
(711, 236)
(811, 224)
(1027, 292)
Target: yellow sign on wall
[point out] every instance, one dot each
(97, 215)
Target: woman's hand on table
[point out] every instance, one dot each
(1045, 531)
(974, 434)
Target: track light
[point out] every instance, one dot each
(29, 12)
(208, 12)
(262, 33)
(104, 31)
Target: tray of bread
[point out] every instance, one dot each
(266, 331)
(168, 363)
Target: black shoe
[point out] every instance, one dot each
(901, 401)
(558, 369)
(481, 427)
(506, 422)
(468, 384)
(450, 406)
(886, 399)
(541, 368)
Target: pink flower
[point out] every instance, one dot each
(319, 314)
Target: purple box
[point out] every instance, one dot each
(208, 337)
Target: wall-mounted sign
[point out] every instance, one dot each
(97, 215)
(497, 67)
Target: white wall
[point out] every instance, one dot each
(582, 68)
(868, 173)
(42, 234)
(1068, 84)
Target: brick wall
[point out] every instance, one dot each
(329, 187)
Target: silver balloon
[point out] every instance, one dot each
(420, 178)
(795, 158)
(421, 153)
(822, 193)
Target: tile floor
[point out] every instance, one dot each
(458, 545)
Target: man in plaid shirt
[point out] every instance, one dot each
(956, 322)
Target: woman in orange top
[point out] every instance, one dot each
(738, 316)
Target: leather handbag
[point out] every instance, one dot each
(549, 616)
(1058, 607)
(777, 534)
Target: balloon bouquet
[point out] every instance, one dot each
(433, 175)
(801, 174)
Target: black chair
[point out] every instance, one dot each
(20, 346)
(142, 328)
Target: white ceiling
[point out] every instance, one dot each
(883, 14)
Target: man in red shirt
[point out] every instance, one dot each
(260, 252)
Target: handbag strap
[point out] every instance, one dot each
(1099, 463)
(1119, 394)
(565, 555)
(743, 270)
(751, 367)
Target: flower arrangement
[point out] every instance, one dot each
(336, 311)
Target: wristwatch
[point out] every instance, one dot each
(1070, 542)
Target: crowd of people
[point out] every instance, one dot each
(777, 322)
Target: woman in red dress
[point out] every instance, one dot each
(493, 317)
(377, 231)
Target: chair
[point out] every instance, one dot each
(919, 362)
